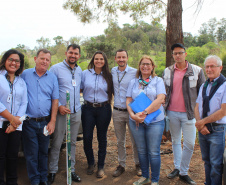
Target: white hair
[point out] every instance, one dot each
(214, 57)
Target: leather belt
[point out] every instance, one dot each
(215, 124)
(123, 110)
(96, 104)
(40, 119)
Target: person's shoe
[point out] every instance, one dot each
(90, 169)
(75, 177)
(79, 138)
(173, 174)
(142, 180)
(154, 183)
(51, 177)
(138, 170)
(100, 173)
(119, 171)
(186, 179)
(44, 183)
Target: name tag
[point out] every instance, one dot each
(73, 82)
(9, 98)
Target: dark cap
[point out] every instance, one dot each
(177, 45)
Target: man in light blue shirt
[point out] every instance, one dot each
(69, 78)
(43, 95)
(210, 114)
(122, 75)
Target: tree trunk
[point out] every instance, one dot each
(174, 33)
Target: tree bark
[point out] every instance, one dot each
(174, 32)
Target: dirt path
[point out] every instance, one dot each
(129, 176)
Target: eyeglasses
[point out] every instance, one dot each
(15, 60)
(211, 67)
(177, 53)
(146, 64)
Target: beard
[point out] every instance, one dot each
(70, 62)
(121, 64)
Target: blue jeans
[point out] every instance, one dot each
(212, 149)
(36, 150)
(148, 140)
(179, 123)
(99, 117)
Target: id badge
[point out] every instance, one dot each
(73, 82)
(9, 98)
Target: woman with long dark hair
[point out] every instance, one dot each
(13, 105)
(97, 87)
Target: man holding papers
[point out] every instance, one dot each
(182, 81)
(147, 135)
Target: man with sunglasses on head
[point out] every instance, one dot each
(122, 75)
(182, 81)
(68, 74)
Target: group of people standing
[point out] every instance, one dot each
(41, 95)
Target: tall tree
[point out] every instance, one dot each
(174, 33)
(88, 10)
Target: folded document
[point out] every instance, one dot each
(140, 103)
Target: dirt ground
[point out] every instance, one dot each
(196, 170)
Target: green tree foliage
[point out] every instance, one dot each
(58, 40)
(89, 10)
(138, 39)
(223, 58)
(43, 42)
(221, 31)
(197, 55)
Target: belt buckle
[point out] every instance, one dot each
(36, 119)
(95, 105)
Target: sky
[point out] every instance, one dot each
(25, 21)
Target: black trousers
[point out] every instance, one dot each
(9, 147)
(99, 117)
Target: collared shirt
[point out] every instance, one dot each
(41, 91)
(155, 87)
(215, 102)
(65, 75)
(94, 87)
(177, 103)
(17, 104)
(3, 72)
(121, 81)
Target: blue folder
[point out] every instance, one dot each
(140, 103)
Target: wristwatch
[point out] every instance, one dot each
(145, 112)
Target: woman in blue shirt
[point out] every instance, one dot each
(97, 90)
(13, 105)
(147, 136)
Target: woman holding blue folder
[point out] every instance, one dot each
(147, 135)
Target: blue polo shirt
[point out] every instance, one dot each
(41, 91)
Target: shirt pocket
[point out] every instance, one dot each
(193, 81)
